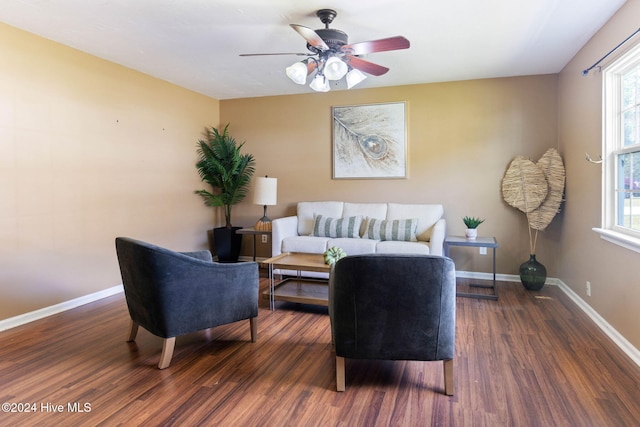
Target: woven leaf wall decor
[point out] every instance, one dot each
(553, 168)
(535, 189)
(524, 185)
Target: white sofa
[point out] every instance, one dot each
(297, 233)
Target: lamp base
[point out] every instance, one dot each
(263, 224)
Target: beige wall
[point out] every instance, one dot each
(611, 269)
(461, 138)
(89, 150)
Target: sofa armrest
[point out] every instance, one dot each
(281, 228)
(436, 244)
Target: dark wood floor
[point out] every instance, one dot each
(528, 359)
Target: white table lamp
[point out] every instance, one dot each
(265, 194)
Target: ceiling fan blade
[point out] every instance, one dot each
(272, 54)
(366, 66)
(372, 46)
(310, 36)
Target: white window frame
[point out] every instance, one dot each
(611, 147)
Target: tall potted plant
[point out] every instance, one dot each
(222, 165)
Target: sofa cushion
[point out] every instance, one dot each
(354, 246)
(395, 247)
(427, 216)
(399, 229)
(308, 210)
(325, 226)
(372, 210)
(305, 244)
(366, 210)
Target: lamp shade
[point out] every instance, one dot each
(320, 83)
(335, 69)
(354, 77)
(266, 191)
(297, 72)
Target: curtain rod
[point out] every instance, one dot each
(585, 72)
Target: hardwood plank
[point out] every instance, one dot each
(528, 359)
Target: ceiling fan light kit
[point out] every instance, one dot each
(335, 68)
(297, 72)
(332, 57)
(320, 83)
(354, 77)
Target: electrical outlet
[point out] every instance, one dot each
(483, 251)
(588, 288)
(265, 238)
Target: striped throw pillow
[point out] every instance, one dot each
(398, 229)
(324, 226)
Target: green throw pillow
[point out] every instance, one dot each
(324, 226)
(398, 229)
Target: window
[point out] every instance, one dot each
(621, 179)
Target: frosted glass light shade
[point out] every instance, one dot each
(266, 191)
(297, 72)
(320, 84)
(335, 69)
(354, 77)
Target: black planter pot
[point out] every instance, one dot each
(533, 274)
(227, 244)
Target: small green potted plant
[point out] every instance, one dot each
(472, 224)
(222, 165)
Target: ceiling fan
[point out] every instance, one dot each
(332, 57)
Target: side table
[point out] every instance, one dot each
(254, 232)
(480, 242)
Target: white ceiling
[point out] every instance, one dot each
(196, 43)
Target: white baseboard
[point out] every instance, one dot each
(488, 276)
(25, 318)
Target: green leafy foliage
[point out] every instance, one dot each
(472, 222)
(222, 165)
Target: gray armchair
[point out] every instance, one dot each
(393, 307)
(171, 293)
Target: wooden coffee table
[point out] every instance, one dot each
(298, 289)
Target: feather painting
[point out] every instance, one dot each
(369, 141)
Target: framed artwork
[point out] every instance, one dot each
(370, 141)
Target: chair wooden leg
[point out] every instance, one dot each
(340, 381)
(133, 331)
(448, 377)
(253, 323)
(167, 352)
